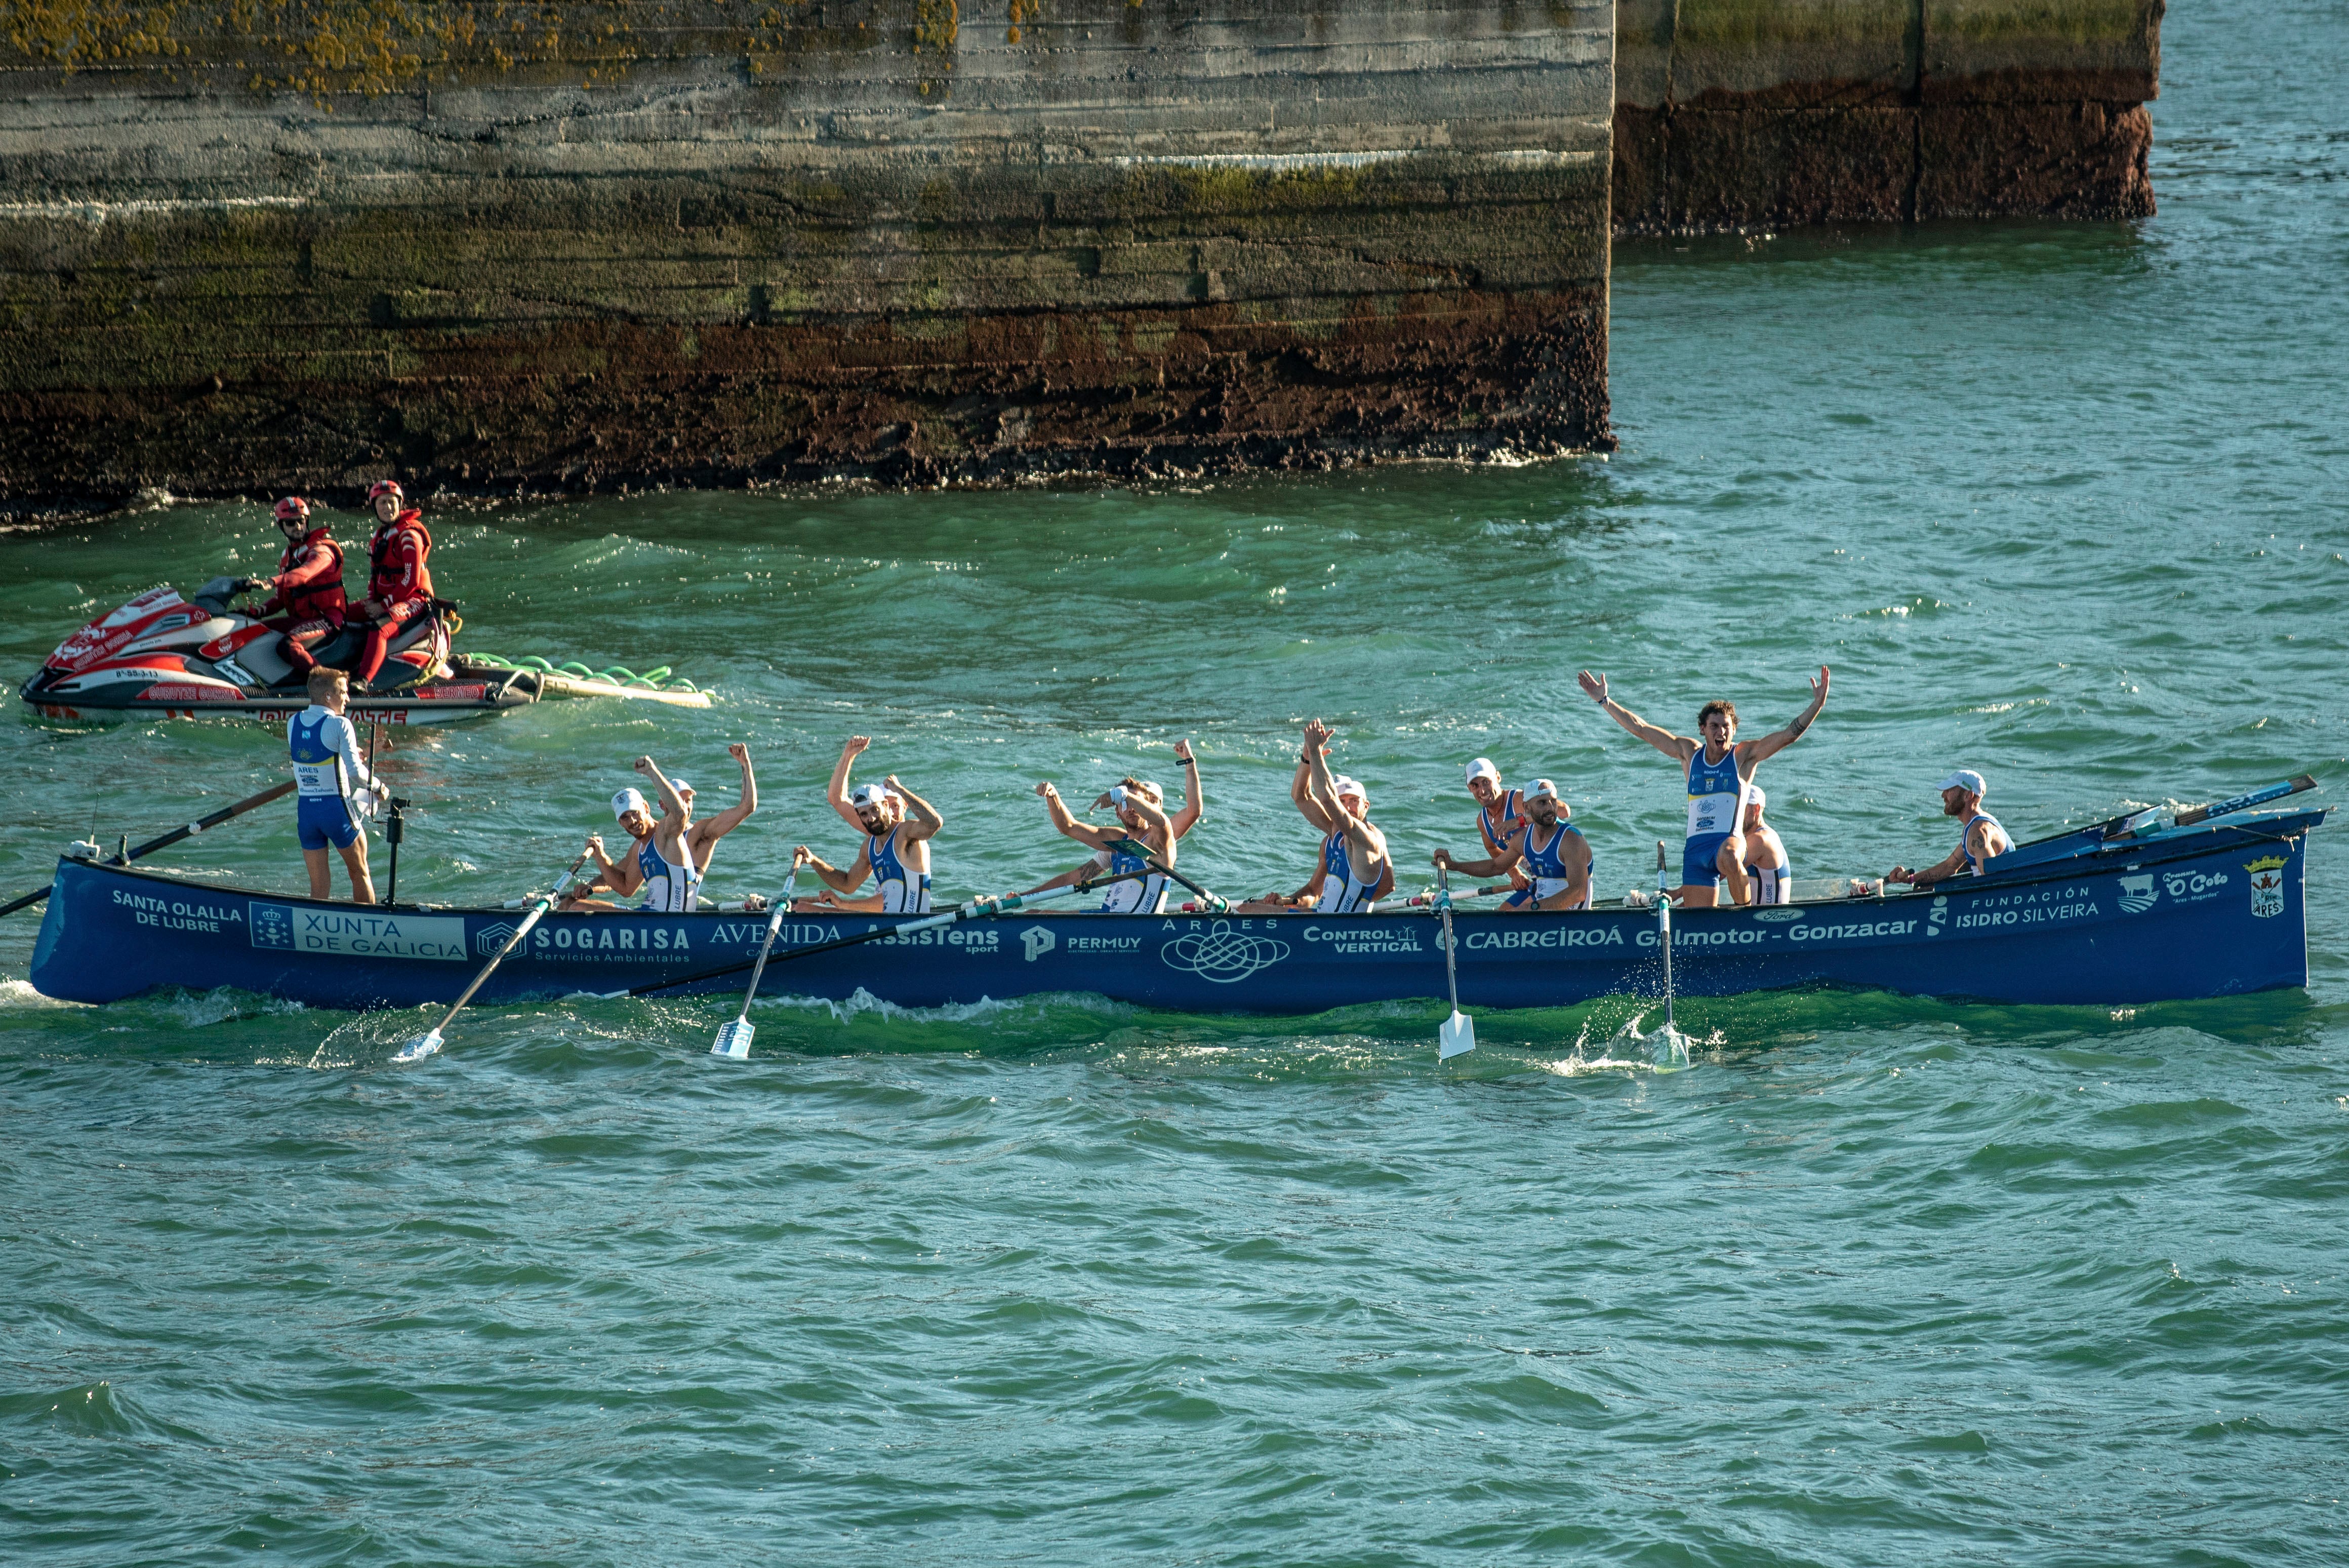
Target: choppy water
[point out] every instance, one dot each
(1062, 1281)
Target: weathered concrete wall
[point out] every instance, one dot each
(1747, 114)
(253, 247)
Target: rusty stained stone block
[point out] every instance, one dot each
(2077, 161)
(1209, 388)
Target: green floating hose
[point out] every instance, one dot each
(654, 679)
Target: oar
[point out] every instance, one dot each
(2194, 814)
(424, 1044)
(1664, 937)
(965, 911)
(1457, 1036)
(1217, 904)
(734, 1039)
(275, 792)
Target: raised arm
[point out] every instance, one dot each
(671, 802)
(1298, 791)
(1155, 823)
(1065, 822)
(1777, 740)
(1065, 879)
(1195, 799)
(1678, 747)
(838, 799)
(1320, 789)
(922, 819)
(732, 817)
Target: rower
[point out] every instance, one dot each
(305, 604)
(400, 583)
(1983, 840)
(1766, 866)
(1356, 870)
(1500, 812)
(1143, 834)
(897, 824)
(1194, 807)
(676, 857)
(328, 772)
(1555, 857)
(622, 877)
(1720, 770)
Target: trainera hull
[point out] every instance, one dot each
(2209, 913)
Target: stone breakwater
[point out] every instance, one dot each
(1752, 114)
(903, 243)
(495, 247)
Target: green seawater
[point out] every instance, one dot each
(1063, 1282)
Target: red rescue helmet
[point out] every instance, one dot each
(294, 517)
(382, 487)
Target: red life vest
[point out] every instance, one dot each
(309, 581)
(397, 554)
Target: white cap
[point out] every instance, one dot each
(1151, 788)
(626, 800)
(1483, 768)
(680, 786)
(1967, 780)
(1754, 796)
(1344, 785)
(1541, 789)
(868, 795)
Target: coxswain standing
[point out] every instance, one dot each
(305, 604)
(1983, 839)
(328, 773)
(1144, 832)
(1555, 857)
(1720, 770)
(675, 858)
(399, 581)
(897, 824)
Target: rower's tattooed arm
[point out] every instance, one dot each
(838, 799)
(671, 803)
(838, 880)
(1320, 787)
(922, 819)
(1779, 740)
(1678, 747)
(1065, 822)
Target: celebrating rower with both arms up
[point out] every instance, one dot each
(897, 824)
(667, 859)
(1720, 773)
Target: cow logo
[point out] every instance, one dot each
(2267, 886)
(490, 941)
(1222, 954)
(2137, 894)
(1039, 940)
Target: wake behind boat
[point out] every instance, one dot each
(2206, 910)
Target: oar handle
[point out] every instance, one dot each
(276, 792)
(1222, 904)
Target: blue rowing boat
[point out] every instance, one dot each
(2210, 911)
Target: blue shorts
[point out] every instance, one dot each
(1697, 867)
(324, 820)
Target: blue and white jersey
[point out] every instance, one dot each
(904, 891)
(1965, 839)
(1343, 893)
(1509, 808)
(1716, 795)
(668, 889)
(326, 752)
(1144, 896)
(1545, 863)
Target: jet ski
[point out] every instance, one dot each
(200, 657)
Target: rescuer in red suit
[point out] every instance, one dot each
(399, 582)
(306, 603)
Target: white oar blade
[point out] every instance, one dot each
(421, 1047)
(734, 1040)
(1456, 1037)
